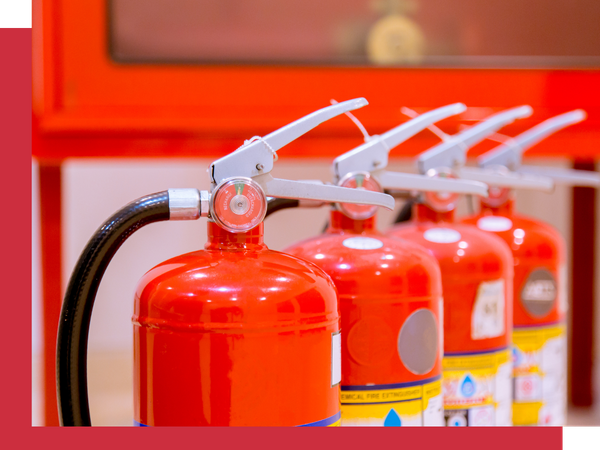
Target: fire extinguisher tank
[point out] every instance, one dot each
(390, 300)
(539, 312)
(540, 297)
(236, 334)
(477, 278)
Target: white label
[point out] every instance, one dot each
(504, 413)
(554, 355)
(494, 223)
(504, 382)
(563, 292)
(362, 243)
(336, 358)
(487, 320)
(442, 235)
(553, 414)
(504, 395)
(481, 416)
(528, 388)
(433, 415)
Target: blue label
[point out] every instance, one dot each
(468, 386)
(329, 422)
(392, 419)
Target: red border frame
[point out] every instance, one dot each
(85, 105)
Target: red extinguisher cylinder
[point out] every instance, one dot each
(390, 301)
(477, 276)
(539, 312)
(236, 334)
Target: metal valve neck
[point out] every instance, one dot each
(221, 239)
(504, 209)
(340, 223)
(424, 213)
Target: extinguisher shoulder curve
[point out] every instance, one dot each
(215, 290)
(373, 265)
(461, 246)
(527, 237)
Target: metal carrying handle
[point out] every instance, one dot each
(566, 177)
(255, 157)
(509, 153)
(507, 179)
(373, 154)
(424, 183)
(310, 190)
(452, 152)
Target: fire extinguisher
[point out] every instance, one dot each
(477, 277)
(390, 291)
(235, 334)
(540, 283)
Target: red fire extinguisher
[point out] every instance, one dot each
(540, 297)
(235, 334)
(477, 276)
(390, 291)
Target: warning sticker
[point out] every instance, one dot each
(403, 404)
(540, 379)
(487, 319)
(477, 389)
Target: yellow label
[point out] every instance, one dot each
(403, 404)
(539, 373)
(477, 388)
(526, 413)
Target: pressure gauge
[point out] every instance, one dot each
(497, 195)
(359, 180)
(441, 201)
(238, 204)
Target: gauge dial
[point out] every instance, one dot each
(441, 201)
(359, 180)
(238, 204)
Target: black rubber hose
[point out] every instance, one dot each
(73, 329)
(276, 204)
(405, 213)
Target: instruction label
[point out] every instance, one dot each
(487, 319)
(540, 379)
(477, 388)
(392, 405)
